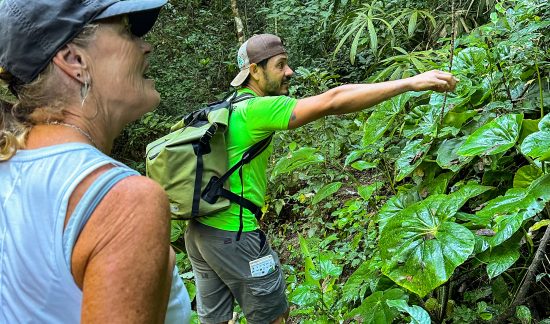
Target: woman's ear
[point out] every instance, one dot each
(71, 61)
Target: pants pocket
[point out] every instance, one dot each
(265, 300)
(270, 284)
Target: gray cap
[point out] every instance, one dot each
(256, 49)
(33, 31)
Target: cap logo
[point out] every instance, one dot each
(242, 56)
(240, 61)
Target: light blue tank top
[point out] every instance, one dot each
(36, 283)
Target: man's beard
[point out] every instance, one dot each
(275, 88)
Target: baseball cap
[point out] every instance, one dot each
(256, 49)
(32, 32)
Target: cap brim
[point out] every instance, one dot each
(240, 78)
(142, 13)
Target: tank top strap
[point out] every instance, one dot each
(87, 204)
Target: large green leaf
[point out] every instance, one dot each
(544, 124)
(458, 198)
(305, 294)
(297, 159)
(453, 100)
(354, 156)
(501, 258)
(326, 191)
(435, 186)
(526, 175)
(484, 90)
(473, 221)
(396, 204)
(447, 156)
(382, 118)
(523, 313)
(411, 156)
(537, 145)
(366, 276)
(472, 61)
(456, 119)
(375, 310)
(420, 248)
(528, 127)
(418, 314)
(424, 119)
(517, 205)
(497, 136)
(326, 269)
(355, 287)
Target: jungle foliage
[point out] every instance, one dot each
(426, 208)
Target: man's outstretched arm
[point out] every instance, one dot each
(355, 97)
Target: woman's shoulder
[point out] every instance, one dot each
(136, 193)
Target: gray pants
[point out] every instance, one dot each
(222, 274)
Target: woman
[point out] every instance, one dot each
(82, 236)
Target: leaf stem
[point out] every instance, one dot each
(388, 175)
(541, 100)
(446, 292)
(512, 280)
(530, 160)
(452, 45)
(506, 85)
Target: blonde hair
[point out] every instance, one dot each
(39, 101)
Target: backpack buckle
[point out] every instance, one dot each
(211, 192)
(210, 132)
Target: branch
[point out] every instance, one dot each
(529, 278)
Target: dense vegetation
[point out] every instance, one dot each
(428, 207)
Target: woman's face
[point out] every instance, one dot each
(118, 66)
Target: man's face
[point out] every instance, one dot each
(276, 76)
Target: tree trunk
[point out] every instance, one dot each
(238, 21)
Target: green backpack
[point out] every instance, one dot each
(191, 162)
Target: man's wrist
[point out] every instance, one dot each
(408, 84)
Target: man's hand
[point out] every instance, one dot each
(433, 80)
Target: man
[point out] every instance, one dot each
(247, 269)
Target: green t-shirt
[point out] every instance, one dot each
(251, 121)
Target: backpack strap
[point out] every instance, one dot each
(215, 188)
(87, 204)
(233, 97)
(239, 98)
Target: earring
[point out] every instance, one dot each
(84, 90)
